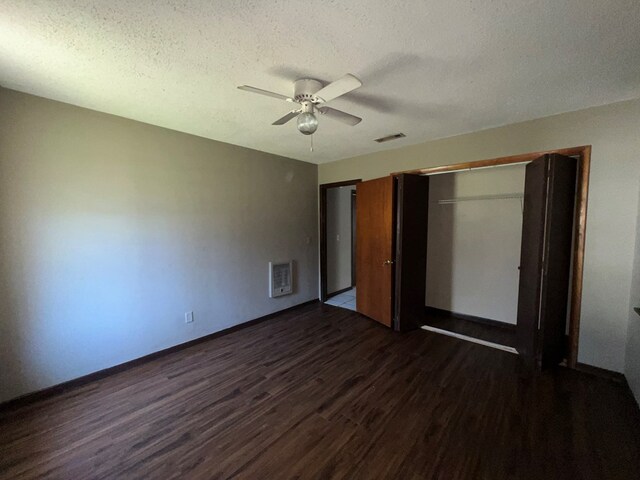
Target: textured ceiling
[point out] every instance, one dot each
(430, 68)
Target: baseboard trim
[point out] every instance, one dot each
(463, 316)
(616, 377)
(48, 392)
(338, 292)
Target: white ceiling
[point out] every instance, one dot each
(430, 68)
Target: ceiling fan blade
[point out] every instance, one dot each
(340, 116)
(247, 88)
(339, 87)
(291, 115)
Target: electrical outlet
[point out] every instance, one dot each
(188, 317)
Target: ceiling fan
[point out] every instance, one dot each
(312, 95)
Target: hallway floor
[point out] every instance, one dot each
(344, 300)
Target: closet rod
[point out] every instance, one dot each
(469, 169)
(502, 196)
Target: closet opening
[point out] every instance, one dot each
(459, 224)
(473, 254)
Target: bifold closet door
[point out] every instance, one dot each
(411, 250)
(374, 251)
(547, 229)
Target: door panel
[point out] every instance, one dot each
(545, 259)
(374, 254)
(411, 250)
(533, 220)
(557, 260)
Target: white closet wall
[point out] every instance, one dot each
(473, 248)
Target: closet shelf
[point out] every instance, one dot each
(503, 196)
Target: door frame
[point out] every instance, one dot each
(583, 155)
(323, 231)
(353, 237)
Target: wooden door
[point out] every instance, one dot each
(545, 259)
(374, 254)
(411, 250)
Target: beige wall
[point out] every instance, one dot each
(110, 230)
(338, 238)
(613, 130)
(632, 365)
(473, 249)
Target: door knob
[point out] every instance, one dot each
(387, 262)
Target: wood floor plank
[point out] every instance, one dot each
(323, 392)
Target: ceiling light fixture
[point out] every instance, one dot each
(307, 121)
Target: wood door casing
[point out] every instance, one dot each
(354, 243)
(375, 240)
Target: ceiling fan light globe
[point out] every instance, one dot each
(307, 123)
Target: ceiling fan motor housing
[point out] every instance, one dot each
(304, 90)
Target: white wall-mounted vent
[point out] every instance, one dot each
(280, 279)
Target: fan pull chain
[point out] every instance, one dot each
(311, 149)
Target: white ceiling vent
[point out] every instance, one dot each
(280, 279)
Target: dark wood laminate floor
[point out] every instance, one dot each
(500, 334)
(322, 392)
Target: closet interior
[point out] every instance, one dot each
(473, 253)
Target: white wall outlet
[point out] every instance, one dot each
(338, 237)
(188, 317)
